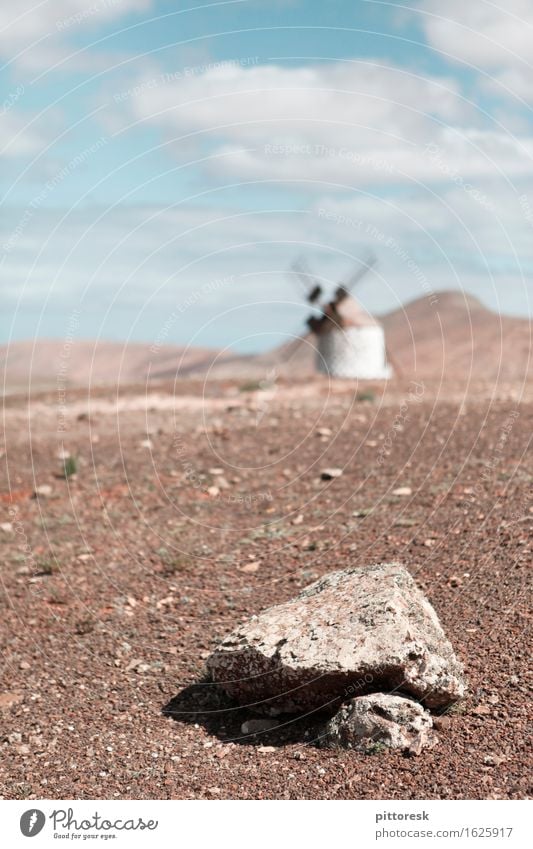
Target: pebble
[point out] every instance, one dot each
(222, 483)
(9, 699)
(402, 490)
(329, 474)
(43, 490)
(256, 726)
(249, 567)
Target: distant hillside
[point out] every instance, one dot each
(458, 336)
(452, 336)
(48, 362)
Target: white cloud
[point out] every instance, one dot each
(17, 138)
(495, 38)
(354, 123)
(35, 35)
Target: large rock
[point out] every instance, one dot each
(352, 632)
(380, 719)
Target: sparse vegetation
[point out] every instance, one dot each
(251, 386)
(70, 466)
(47, 566)
(376, 748)
(365, 395)
(457, 709)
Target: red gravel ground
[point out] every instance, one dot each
(118, 584)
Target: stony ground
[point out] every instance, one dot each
(118, 582)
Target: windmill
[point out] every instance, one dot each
(350, 342)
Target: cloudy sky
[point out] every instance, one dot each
(166, 158)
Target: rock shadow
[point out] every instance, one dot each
(206, 704)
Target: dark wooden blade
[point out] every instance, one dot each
(309, 284)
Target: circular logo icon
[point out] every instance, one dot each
(32, 822)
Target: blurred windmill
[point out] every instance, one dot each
(350, 342)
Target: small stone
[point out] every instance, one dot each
(134, 664)
(298, 520)
(402, 490)
(494, 760)
(455, 581)
(14, 737)
(249, 568)
(264, 750)
(257, 726)
(213, 491)
(216, 471)
(441, 723)
(323, 431)
(44, 490)
(378, 720)
(7, 527)
(330, 474)
(7, 700)
(24, 665)
(222, 483)
(482, 710)
(146, 443)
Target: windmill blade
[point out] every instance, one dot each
(345, 288)
(310, 285)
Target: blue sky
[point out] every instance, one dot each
(157, 153)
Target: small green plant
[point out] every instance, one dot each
(376, 748)
(366, 395)
(70, 466)
(47, 567)
(173, 564)
(250, 386)
(457, 709)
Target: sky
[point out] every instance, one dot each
(165, 163)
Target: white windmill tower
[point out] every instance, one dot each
(350, 342)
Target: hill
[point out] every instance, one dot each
(452, 336)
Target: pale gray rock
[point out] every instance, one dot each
(258, 726)
(351, 632)
(380, 719)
